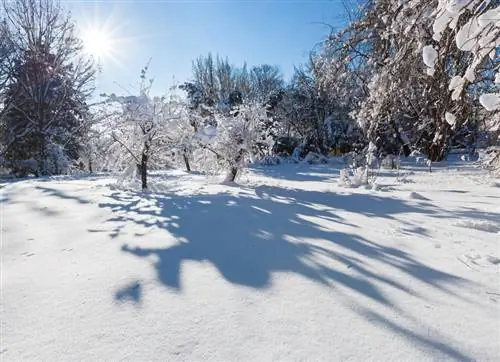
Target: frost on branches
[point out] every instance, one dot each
(240, 137)
(138, 131)
(479, 35)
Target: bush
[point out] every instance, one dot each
(490, 158)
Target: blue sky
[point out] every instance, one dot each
(173, 33)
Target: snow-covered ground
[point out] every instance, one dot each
(287, 266)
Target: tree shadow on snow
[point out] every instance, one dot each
(248, 237)
(300, 172)
(251, 236)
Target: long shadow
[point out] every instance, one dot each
(363, 204)
(54, 192)
(300, 172)
(445, 350)
(250, 237)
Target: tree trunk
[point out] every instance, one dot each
(42, 159)
(144, 171)
(234, 169)
(232, 174)
(437, 152)
(186, 161)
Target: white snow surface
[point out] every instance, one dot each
(286, 265)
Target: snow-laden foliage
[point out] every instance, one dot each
(490, 158)
(45, 83)
(476, 26)
(392, 75)
(240, 137)
(139, 132)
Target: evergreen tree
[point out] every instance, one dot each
(45, 99)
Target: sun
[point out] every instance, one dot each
(97, 43)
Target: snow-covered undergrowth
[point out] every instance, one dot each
(490, 158)
(287, 265)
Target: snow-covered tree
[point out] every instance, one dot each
(139, 131)
(476, 29)
(402, 108)
(181, 125)
(237, 138)
(45, 96)
(265, 81)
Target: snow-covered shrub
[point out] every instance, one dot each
(344, 178)
(490, 158)
(284, 146)
(23, 168)
(390, 162)
(354, 159)
(297, 151)
(342, 135)
(237, 135)
(57, 160)
(354, 178)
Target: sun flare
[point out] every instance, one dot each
(97, 43)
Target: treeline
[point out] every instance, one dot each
(420, 76)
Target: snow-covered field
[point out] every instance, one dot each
(287, 266)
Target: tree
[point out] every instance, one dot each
(476, 28)
(45, 99)
(139, 131)
(266, 81)
(239, 135)
(401, 107)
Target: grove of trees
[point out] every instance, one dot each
(421, 75)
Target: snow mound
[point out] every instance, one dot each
(482, 225)
(416, 196)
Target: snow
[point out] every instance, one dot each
(416, 196)
(450, 118)
(483, 225)
(455, 6)
(480, 35)
(430, 56)
(490, 101)
(207, 134)
(443, 18)
(287, 265)
(456, 85)
(455, 82)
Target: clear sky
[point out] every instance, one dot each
(173, 33)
